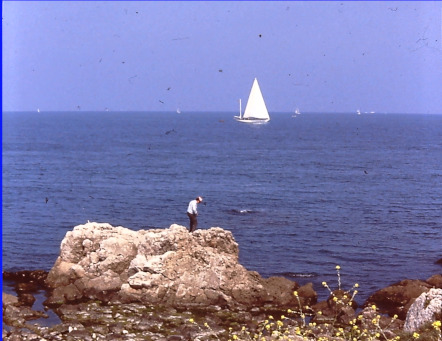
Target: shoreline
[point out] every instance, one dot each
(174, 285)
(17, 284)
(94, 320)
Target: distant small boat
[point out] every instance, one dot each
(38, 110)
(256, 110)
(358, 112)
(297, 112)
(178, 111)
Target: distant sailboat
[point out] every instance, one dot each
(178, 111)
(297, 112)
(358, 112)
(38, 110)
(256, 110)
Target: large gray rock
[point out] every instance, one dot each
(426, 308)
(163, 266)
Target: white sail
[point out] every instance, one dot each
(256, 107)
(256, 110)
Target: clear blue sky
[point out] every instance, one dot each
(336, 56)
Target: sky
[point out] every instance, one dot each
(332, 56)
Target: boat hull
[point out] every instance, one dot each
(252, 120)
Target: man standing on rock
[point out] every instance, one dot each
(193, 213)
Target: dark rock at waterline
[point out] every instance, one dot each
(16, 311)
(26, 283)
(27, 280)
(26, 299)
(435, 281)
(439, 261)
(397, 298)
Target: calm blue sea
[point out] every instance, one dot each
(300, 194)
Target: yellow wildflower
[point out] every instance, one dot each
(416, 335)
(295, 293)
(338, 267)
(436, 324)
(191, 320)
(275, 333)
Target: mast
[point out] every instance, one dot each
(240, 108)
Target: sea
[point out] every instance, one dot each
(301, 194)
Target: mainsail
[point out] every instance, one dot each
(256, 107)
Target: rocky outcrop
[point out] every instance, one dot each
(170, 267)
(426, 308)
(397, 298)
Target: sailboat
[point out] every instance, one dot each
(297, 112)
(256, 110)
